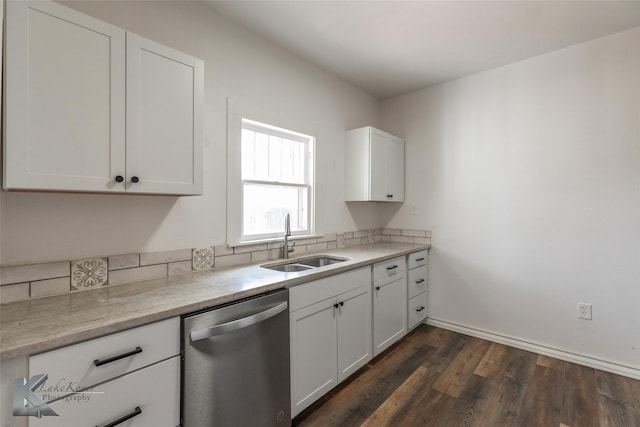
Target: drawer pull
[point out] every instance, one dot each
(99, 362)
(136, 411)
(419, 280)
(393, 267)
(419, 259)
(420, 309)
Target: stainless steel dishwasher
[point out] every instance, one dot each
(235, 368)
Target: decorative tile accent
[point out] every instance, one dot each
(340, 239)
(202, 259)
(89, 273)
(371, 236)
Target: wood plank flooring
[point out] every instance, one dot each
(435, 377)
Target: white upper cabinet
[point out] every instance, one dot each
(64, 99)
(374, 166)
(70, 80)
(164, 109)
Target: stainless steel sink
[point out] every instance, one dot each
(304, 264)
(321, 261)
(288, 268)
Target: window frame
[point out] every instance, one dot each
(236, 112)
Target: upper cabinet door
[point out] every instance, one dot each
(374, 166)
(164, 119)
(395, 169)
(378, 166)
(65, 90)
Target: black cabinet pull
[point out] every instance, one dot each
(99, 362)
(135, 179)
(136, 411)
(377, 288)
(392, 267)
(336, 305)
(420, 309)
(419, 280)
(341, 303)
(389, 196)
(419, 259)
(119, 178)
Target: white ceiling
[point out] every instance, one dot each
(391, 47)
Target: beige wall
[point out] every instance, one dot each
(238, 65)
(529, 178)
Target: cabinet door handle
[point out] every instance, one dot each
(419, 259)
(341, 303)
(419, 280)
(99, 362)
(136, 411)
(393, 267)
(420, 309)
(336, 305)
(390, 196)
(135, 179)
(377, 288)
(119, 178)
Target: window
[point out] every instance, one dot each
(276, 180)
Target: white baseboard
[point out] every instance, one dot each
(579, 359)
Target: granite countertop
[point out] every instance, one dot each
(34, 326)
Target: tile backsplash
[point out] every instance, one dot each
(53, 278)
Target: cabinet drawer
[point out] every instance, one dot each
(418, 309)
(75, 363)
(389, 268)
(155, 390)
(312, 292)
(417, 259)
(417, 281)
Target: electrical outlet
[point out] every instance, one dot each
(584, 310)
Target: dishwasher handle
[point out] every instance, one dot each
(222, 328)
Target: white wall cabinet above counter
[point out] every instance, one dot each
(90, 107)
(374, 166)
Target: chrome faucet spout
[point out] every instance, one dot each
(286, 249)
(287, 225)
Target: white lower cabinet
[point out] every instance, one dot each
(131, 378)
(417, 305)
(150, 397)
(330, 327)
(389, 303)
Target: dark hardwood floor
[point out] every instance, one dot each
(435, 377)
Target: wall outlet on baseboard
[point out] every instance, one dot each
(584, 310)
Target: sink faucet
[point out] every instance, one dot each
(286, 249)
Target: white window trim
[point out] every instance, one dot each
(235, 116)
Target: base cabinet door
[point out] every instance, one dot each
(354, 331)
(389, 311)
(313, 353)
(148, 397)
